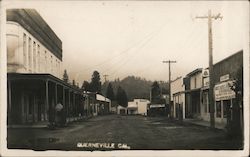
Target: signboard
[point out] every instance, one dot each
(205, 73)
(206, 82)
(157, 105)
(224, 78)
(223, 91)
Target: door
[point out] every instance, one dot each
(226, 111)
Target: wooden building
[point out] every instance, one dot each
(34, 61)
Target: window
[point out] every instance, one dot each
(51, 64)
(24, 50)
(30, 55)
(34, 56)
(218, 109)
(38, 58)
(45, 61)
(195, 81)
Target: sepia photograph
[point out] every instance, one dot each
(103, 77)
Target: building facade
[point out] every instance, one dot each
(34, 61)
(226, 72)
(32, 46)
(178, 98)
(138, 106)
(193, 84)
(205, 115)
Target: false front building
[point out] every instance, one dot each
(34, 62)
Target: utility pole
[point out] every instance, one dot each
(105, 76)
(169, 78)
(210, 17)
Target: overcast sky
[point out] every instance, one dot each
(121, 38)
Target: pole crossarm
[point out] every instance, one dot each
(212, 17)
(169, 61)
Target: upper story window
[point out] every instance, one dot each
(51, 63)
(29, 55)
(38, 58)
(24, 50)
(45, 61)
(195, 82)
(34, 56)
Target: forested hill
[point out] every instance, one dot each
(135, 87)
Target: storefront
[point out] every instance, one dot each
(224, 97)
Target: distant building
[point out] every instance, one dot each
(132, 108)
(121, 110)
(138, 106)
(96, 104)
(104, 104)
(135, 107)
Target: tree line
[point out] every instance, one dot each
(127, 89)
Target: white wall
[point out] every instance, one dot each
(177, 86)
(196, 81)
(25, 54)
(179, 99)
(142, 105)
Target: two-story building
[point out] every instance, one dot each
(193, 84)
(138, 106)
(34, 62)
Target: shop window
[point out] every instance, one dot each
(218, 109)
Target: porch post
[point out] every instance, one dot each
(63, 94)
(69, 107)
(55, 93)
(74, 103)
(9, 100)
(46, 99)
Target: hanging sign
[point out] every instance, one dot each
(223, 91)
(224, 78)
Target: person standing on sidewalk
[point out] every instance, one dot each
(59, 113)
